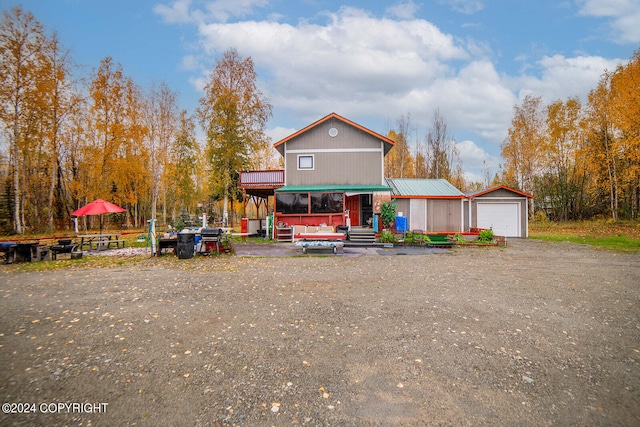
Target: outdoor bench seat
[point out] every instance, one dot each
(439, 240)
(105, 244)
(320, 244)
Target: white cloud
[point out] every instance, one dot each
(181, 11)
(354, 64)
(278, 133)
(562, 77)
(373, 70)
(403, 10)
(477, 100)
(476, 161)
(624, 15)
(178, 13)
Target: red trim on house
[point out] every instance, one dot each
(335, 116)
(500, 187)
(428, 197)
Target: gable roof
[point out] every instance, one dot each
(415, 188)
(473, 194)
(388, 143)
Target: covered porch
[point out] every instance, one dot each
(330, 205)
(257, 187)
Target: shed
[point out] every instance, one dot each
(432, 205)
(502, 209)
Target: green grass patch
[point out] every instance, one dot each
(618, 237)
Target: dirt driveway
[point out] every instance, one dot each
(532, 334)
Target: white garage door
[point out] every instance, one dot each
(502, 218)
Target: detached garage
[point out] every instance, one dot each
(502, 209)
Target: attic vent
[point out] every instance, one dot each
(333, 132)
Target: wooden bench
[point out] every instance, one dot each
(102, 244)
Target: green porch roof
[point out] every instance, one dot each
(333, 188)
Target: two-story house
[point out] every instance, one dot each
(333, 170)
(334, 175)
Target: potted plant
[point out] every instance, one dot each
(388, 214)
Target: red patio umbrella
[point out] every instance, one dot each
(98, 207)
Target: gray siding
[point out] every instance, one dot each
(352, 157)
(444, 215)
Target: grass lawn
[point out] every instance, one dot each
(619, 237)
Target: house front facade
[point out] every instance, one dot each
(333, 174)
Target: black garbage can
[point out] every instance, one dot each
(185, 247)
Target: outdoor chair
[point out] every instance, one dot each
(399, 238)
(418, 237)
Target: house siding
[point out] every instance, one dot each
(444, 215)
(352, 157)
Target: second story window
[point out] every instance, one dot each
(305, 162)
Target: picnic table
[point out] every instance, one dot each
(100, 241)
(21, 251)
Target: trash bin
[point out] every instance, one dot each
(185, 247)
(402, 224)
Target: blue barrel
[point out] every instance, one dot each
(402, 223)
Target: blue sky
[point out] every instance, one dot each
(369, 61)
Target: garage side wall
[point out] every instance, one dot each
(444, 215)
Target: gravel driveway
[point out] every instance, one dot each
(532, 334)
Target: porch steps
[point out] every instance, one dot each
(364, 236)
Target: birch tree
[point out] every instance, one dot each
(21, 38)
(442, 155)
(523, 145)
(162, 120)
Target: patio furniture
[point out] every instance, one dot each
(418, 237)
(439, 241)
(399, 238)
(167, 243)
(320, 244)
(64, 246)
(7, 251)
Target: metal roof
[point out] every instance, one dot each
(472, 194)
(333, 188)
(414, 187)
(264, 178)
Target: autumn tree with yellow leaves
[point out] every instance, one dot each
(580, 161)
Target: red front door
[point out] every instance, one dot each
(352, 204)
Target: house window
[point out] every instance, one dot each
(292, 203)
(327, 203)
(305, 162)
